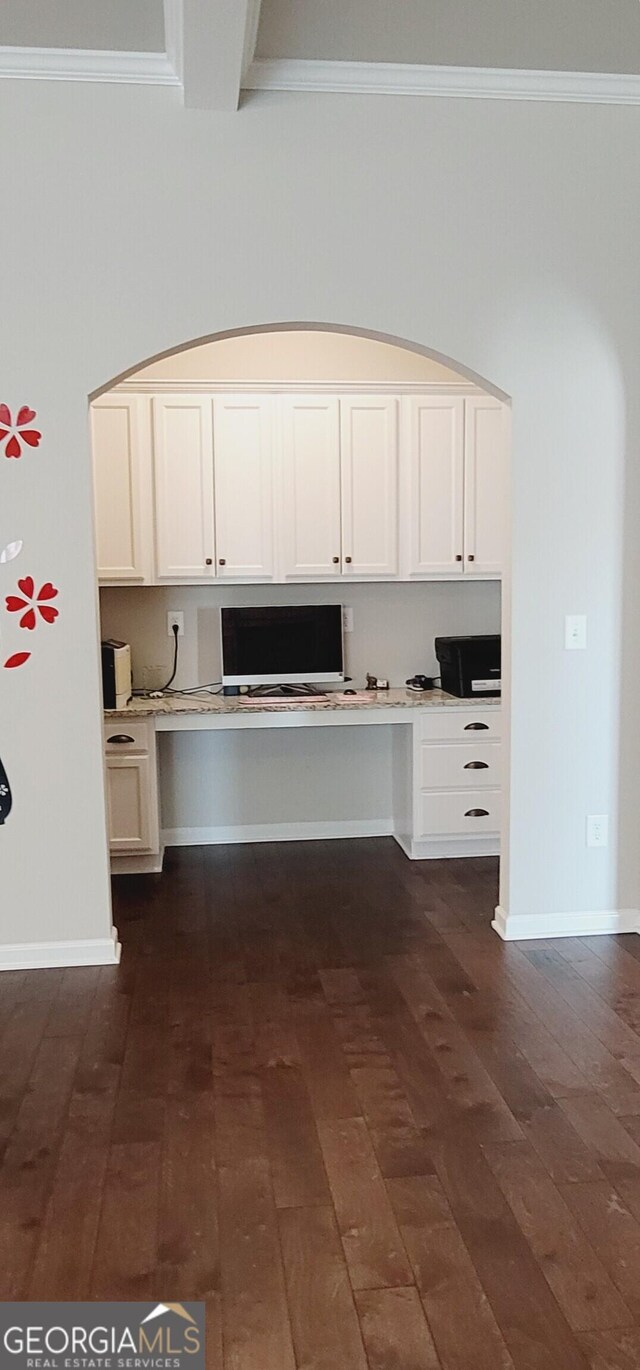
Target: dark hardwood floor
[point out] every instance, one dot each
(320, 1094)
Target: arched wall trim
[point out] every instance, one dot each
(308, 326)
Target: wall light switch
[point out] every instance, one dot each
(597, 830)
(575, 632)
(347, 618)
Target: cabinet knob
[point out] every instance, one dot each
(459, 556)
(222, 561)
(476, 727)
(477, 813)
(471, 557)
(335, 560)
(209, 561)
(348, 560)
(120, 738)
(476, 766)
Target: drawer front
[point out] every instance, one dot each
(122, 736)
(463, 725)
(471, 813)
(459, 767)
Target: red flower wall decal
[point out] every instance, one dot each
(29, 606)
(18, 432)
(18, 659)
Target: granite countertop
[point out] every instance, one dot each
(144, 707)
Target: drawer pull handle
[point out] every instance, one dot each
(476, 766)
(477, 813)
(476, 727)
(335, 560)
(121, 738)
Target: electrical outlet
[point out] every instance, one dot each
(175, 616)
(347, 618)
(597, 829)
(575, 632)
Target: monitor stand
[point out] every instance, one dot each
(284, 692)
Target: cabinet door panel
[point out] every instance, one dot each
(311, 495)
(132, 822)
(243, 472)
(120, 442)
(435, 435)
(369, 457)
(183, 444)
(486, 485)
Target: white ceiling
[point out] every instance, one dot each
(109, 25)
(547, 35)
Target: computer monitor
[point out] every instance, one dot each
(282, 644)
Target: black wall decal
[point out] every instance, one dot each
(5, 794)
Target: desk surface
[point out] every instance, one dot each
(174, 705)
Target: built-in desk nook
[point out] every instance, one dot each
(444, 758)
(299, 510)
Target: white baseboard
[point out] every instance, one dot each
(96, 951)
(447, 848)
(138, 865)
(277, 832)
(522, 927)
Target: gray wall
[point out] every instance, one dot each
(501, 235)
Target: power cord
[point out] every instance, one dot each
(172, 677)
(167, 690)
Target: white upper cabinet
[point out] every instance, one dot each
(311, 486)
(121, 445)
(434, 470)
(369, 467)
(273, 487)
(183, 449)
(486, 485)
(244, 494)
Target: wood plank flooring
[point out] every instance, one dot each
(321, 1095)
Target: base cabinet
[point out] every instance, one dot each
(133, 817)
(446, 796)
(448, 787)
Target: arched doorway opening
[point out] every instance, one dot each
(423, 582)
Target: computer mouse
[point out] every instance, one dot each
(351, 692)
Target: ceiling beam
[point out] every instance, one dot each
(210, 44)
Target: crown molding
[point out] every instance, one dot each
(65, 64)
(149, 386)
(396, 78)
(350, 78)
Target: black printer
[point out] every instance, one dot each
(470, 666)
